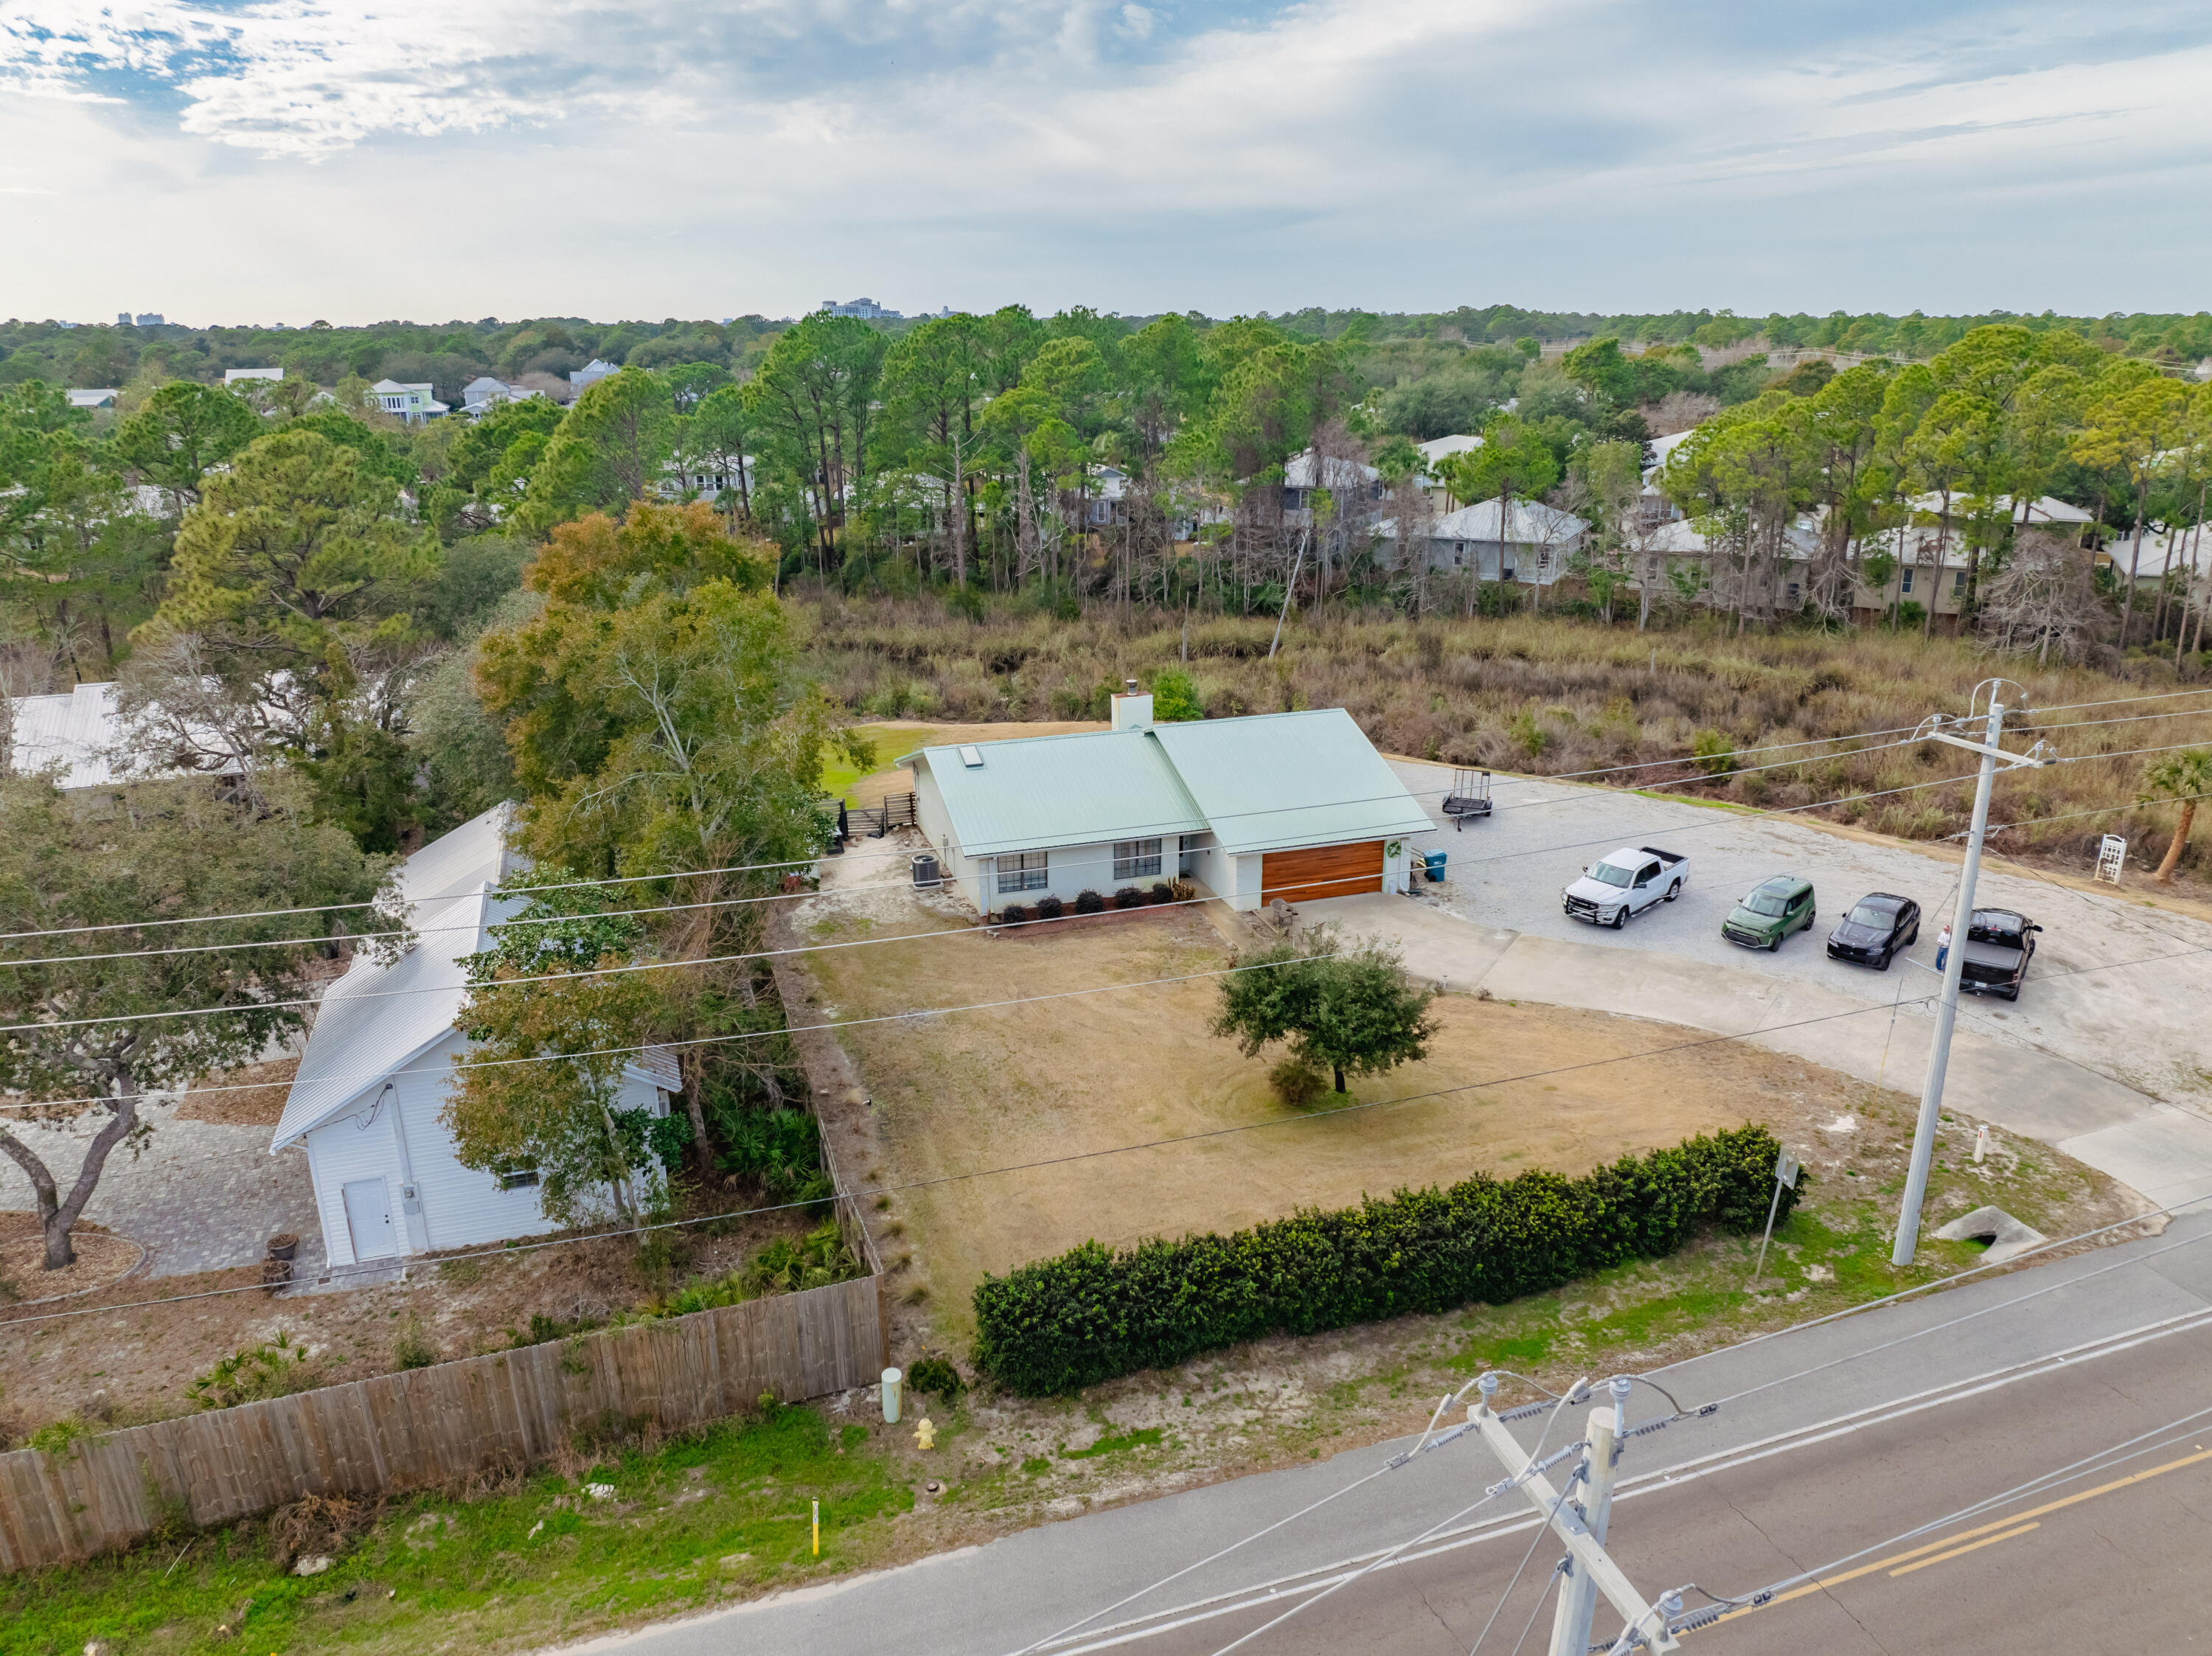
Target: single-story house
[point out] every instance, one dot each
(101, 397)
(1530, 544)
(379, 1063)
(1296, 805)
(590, 374)
(1348, 481)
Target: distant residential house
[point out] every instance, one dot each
(103, 397)
(81, 737)
(1434, 453)
(590, 374)
(373, 1079)
(1298, 805)
(408, 402)
(1350, 482)
(681, 477)
(480, 395)
(1530, 544)
(231, 376)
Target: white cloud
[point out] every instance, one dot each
(1394, 153)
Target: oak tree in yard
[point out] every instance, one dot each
(553, 1027)
(2186, 777)
(1347, 1006)
(662, 726)
(81, 1028)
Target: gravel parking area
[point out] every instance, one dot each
(2138, 1020)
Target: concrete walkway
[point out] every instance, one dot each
(2157, 1150)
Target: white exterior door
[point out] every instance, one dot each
(368, 1219)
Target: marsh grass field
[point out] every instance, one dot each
(1549, 695)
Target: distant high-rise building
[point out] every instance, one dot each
(145, 319)
(866, 309)
(122, 318)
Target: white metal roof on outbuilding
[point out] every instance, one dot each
(377, 1018)
(1275, 781)
(1035, 793)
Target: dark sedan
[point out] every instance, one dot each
(1880, 927)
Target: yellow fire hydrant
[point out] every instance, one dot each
(925, 1433)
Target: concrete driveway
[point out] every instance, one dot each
(2105, 1056)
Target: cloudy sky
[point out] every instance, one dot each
(357, 159)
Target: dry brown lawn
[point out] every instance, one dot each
(1042, 1087)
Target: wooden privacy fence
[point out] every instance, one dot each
(427, 1426)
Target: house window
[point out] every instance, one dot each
(518, 1178)
(1023, 872)
(1904, 584)
(1958, 580)
(1795, 591)
(1135, 859)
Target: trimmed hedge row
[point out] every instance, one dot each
(1096, 1312)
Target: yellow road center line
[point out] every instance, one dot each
(1986, 1541)
(1827, 1581)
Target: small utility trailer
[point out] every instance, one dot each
(1470, 796)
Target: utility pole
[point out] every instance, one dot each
(1954, 966)
(1570, 1617)
(1589, 1570)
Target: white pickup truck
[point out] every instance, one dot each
(1624, 883)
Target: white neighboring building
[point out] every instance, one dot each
(378, 1064)
(1296, 805)
(81, 734)
(101, 397)
(590, 374)
(231, 376)
(480, 395)
(1530, 543)
(409, 402)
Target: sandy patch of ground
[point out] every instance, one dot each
(142, 1355)
(100, 1259)
(259, 1101)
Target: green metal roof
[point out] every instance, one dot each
(1035, 793)
(1271, 782)
(1276, 781)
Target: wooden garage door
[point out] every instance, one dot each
(1299, 876)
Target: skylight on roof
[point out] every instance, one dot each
(971, 756)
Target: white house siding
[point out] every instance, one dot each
(460, 1206)
(968, 874)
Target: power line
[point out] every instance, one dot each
(2114, 1454)
(1171, 1141)
(1692, 760)
(800, 862)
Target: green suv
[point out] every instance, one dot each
(1771, 913)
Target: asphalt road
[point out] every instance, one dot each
(1829, 1439)
(2111, 1559)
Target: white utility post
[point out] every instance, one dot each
(1571, 1618)
(1947, 1011)
(1586, 1550)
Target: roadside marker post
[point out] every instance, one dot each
(2112, 858)
(1786, 1168)
(817, 1529)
